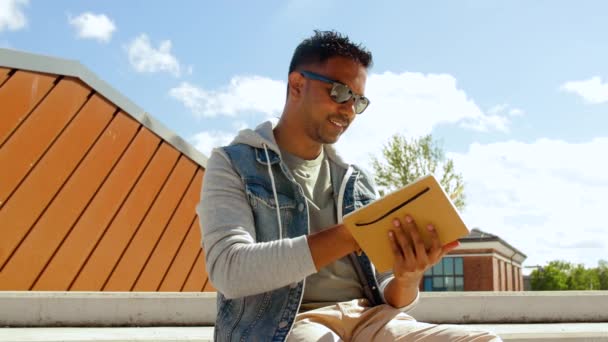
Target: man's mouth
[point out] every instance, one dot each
(338, 123)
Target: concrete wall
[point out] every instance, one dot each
(92, 309)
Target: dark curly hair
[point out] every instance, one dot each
(326, 44)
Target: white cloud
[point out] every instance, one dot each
(93, 26)
(496, 118)
(487, 123)
(498, 109)
(244, 94)
(592, 90)
(145, 58)
(516, 112)
(207, 140)
(11, 14)
(411, 104)
(546, 198)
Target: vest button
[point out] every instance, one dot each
(301, 207)
(282, 324)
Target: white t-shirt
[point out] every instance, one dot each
(337, 281)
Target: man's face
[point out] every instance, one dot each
(323, 119)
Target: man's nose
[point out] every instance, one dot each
(348, 109)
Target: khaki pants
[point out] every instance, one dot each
(357, 321)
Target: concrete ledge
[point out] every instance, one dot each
(596, 332)
(102, 309)
(589, 332)
(513, 307)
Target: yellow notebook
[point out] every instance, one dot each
(424, 200)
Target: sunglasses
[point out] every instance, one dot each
(340, 92)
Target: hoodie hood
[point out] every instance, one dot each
(263, 135)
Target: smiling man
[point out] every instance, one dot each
(271, 206)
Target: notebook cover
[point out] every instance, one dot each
(424, 200)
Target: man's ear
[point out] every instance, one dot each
(296, 84)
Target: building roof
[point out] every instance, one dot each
(13, 59)
(95, 195)
(477, 235)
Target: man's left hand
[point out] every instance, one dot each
(412, 259)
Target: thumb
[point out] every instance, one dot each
(450, 246)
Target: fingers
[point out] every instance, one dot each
(409, 248)
(450, 246)
(435, 253)
(417, 242)
(413, 247)
(403, 241)
(395, 247)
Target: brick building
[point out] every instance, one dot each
(482, 262)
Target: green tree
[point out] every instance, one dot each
(602, 274)
(406, 160)
(553, 277)
(581, 278)
(561, 275)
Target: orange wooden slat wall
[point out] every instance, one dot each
(124, 275)
(25, 147)
(89, 198)
(197, 277)
(107, 253)
(18, 96)
(55, 167)
(24, 266)
(78, 245)
(167, 246)
(4, 74)
(182, 264)
(18, 154)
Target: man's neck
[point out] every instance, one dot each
(296, 142)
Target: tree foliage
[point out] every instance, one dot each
(406, 160)
(560, 276)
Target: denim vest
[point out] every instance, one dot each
(269, 316)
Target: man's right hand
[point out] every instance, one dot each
(330, 245)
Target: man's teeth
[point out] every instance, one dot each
(337, 123)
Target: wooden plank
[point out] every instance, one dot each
(198, 275)
(168, 245)
(4, 75)
(25, 147)
(106, 254)
(140, 248)
(208, 286)
(39, 245)
(185, 258)
(19, 95)
(38, 189)
(74, 251)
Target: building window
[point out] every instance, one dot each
(446, 275)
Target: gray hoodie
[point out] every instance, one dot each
(236, 263)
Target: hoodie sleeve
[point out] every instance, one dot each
(239, 266)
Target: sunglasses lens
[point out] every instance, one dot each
(340, 93)
(361, 104)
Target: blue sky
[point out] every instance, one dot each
(516, 91)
